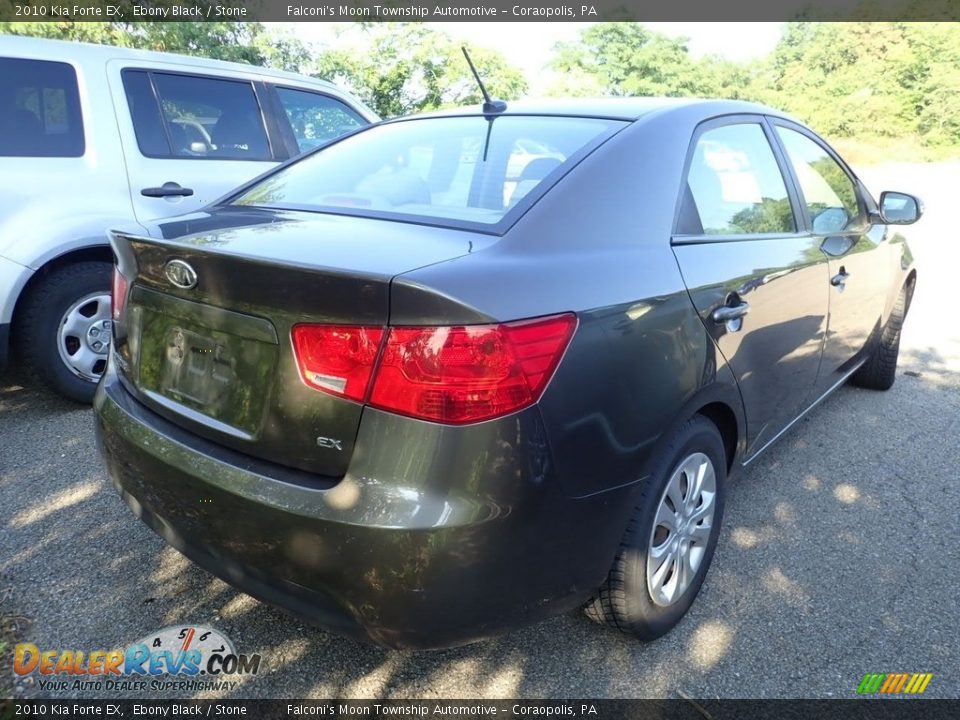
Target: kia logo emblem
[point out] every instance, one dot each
(181, 274)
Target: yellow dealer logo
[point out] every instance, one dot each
(894, 683)
(175, 658)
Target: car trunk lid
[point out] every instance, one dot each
(205, 336)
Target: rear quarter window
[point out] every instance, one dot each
(39, 109)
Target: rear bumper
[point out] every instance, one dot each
(437, 536)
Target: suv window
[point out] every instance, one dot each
(316, 118)
(828, 192)
(734, 185)
(197, 117)
(39, 109)
(147, 123)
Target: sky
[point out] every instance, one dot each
(528, 44)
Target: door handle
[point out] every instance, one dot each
(168, 189)
(727, 313)
(840, 278)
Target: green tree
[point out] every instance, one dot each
(934, 80)
(625, 58)
(870, 79)
(409, 67)
(248, 43)
(855, 79)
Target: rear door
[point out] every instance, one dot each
(188, 137)
(758, 281)
(856, 253)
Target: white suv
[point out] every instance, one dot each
(95, 136)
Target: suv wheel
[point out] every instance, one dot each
(64, 328)
(669, 541)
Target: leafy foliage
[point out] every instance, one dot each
(626, 59)
(408, 67)
(845, 79)
(237, 42)
(885, 81)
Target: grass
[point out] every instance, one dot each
(879, 150)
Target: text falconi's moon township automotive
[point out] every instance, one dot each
(386, 12)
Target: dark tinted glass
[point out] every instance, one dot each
(211, 118)
(734, 186)
(39, 109)
(828, 192)
(465, 169)
(145, 113)
(316, 118)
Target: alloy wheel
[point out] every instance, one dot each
(681, 529)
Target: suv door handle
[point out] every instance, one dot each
(727, 313)
(840, 278)
(168, 189)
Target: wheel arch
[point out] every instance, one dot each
(723, 416)
(910, 284)
(720, 403)
(96, 253)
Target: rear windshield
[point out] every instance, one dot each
(467, 171)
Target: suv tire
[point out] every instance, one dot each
(61, 321)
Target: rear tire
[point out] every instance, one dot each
(642, 596)
(880, 370)
(55, 327)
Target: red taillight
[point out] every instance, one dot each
(337, 359)
(447, 374)
(118, 298)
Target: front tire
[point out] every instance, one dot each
(880, 370)
(63, 329)
(670, 539)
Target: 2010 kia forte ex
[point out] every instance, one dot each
(455, 373)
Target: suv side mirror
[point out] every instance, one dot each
(897, 208)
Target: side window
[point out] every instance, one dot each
(145, 113)
(734, 185)
(197, 117)
(828, 192)
(39, 109)
(316, 118)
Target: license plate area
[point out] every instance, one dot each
(198, 369)
(221, 375)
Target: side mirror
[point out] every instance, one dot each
(898, 208)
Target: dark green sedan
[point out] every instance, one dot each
(456, 373)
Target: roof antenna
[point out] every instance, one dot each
(489, 104)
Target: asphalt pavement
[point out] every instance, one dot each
(839, 554)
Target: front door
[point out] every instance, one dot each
(758, 282)
(857, 255)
